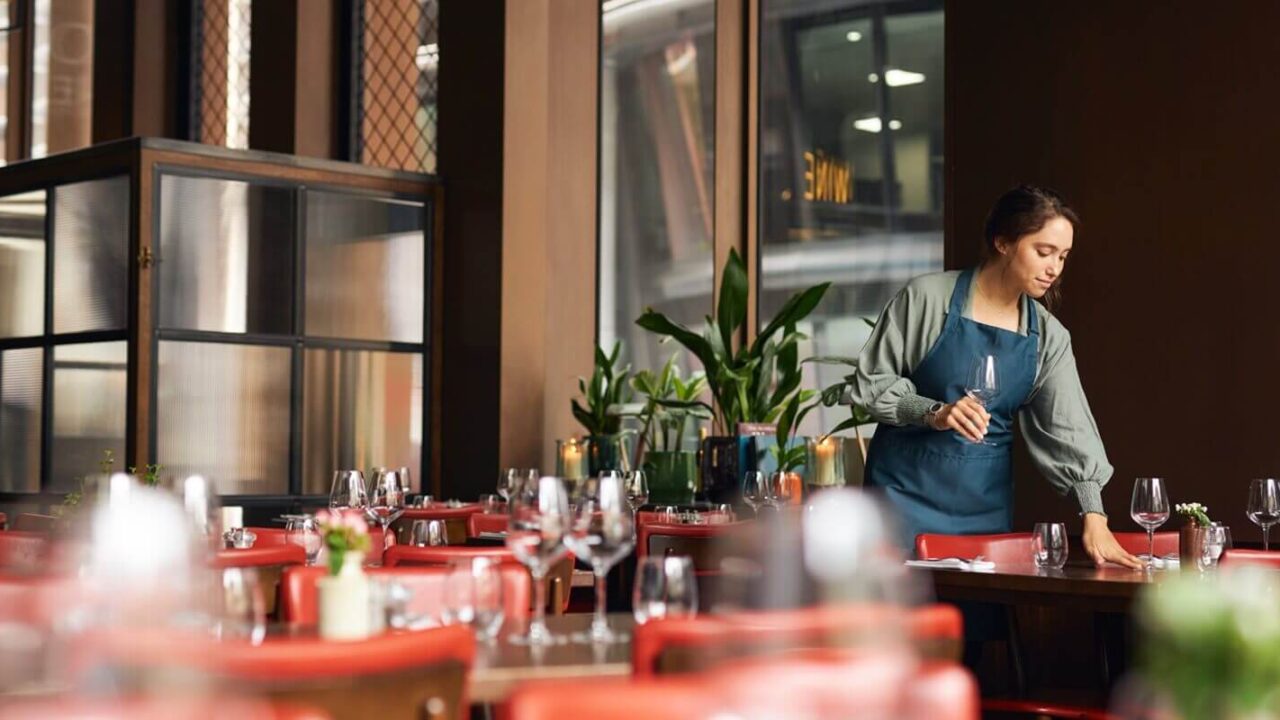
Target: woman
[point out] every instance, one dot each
(940, 457)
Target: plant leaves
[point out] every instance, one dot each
(731, 308)
(795, 309)
(656, 322)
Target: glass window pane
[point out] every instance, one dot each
(62, 76)
(657, 161)
(851, 179)
(360, 410)
(226, 256)
(90, 255)
(89, 385)
(366, 268)
(224, 413)
(21, 407)
(22, 257)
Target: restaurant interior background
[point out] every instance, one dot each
(526, 176)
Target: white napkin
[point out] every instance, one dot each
(954, 564)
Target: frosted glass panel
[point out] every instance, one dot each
(227, 252)
(89, 386)
(22, 255)
(366, 268)
(21, 405)
(224, 413)
(360, 409)
(90, 255)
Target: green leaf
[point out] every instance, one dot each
(656, 322)
(831, 360)
(852, 422)
(731, 309)
(795, 309)
(584, 418)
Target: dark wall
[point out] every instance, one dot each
(470, 163)
(1157, 121)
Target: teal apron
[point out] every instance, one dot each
(940, 482)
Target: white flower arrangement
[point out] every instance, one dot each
(1195, 512)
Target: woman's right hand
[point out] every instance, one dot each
(966, 416)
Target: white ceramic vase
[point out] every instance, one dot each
(344, 601)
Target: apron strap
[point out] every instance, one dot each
(1033, 322)
(955, 310)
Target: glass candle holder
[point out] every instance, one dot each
(824, 462)
(571, 459)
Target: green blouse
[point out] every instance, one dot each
(1055, 421)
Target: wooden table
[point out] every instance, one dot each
(1080, 585)
(501, 665)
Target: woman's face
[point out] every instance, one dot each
(1035, 261)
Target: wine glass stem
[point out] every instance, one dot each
(1151, 544)
(538, 625)
(1266, 537)
(600, 622)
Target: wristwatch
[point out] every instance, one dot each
(933, 410)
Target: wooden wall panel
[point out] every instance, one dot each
(1156, 121)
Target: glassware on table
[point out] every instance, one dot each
(1049, 545)
(509, 479)
(603, 533)
(540, 520)
(487, 603)
(637, 489)
(720, 514)
(983, 384)
(348, 491)
(244, 610)
(1149, 507)
(386, 498)
(1264, 506)
(755, 490)
(423, 501)
(1213, 541)
(428, 533)
(778, 489)
(491, 504)
(664, 587)
(301, 530)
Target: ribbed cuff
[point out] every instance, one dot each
(1089, 494)
(911, 409)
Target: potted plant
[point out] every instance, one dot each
(1191, 535)
(604, 395)
(749, 382)
(344, 593)
(670, 403)
(789, 454)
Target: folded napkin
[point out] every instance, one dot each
(976, 565)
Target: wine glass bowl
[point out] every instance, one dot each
(983, 384)
(348, 491)
(1149, 507)
(1264, 506)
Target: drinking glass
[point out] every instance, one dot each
(664, 587)
(386, 498)
(244, 610)
(1049, 545)
(428, 533)
(536, 533)
(1264, 506)
(637, 490)
(755, 490)
(302, 531)
(1213, 540)
(491, 504)
(983, 384)
(509, 479)
(347, 492)
(1149, 508)
(487, 605)
(778, 489)
(603, 533)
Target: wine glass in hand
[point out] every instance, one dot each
(983, 383)
(1149, 508)
(1264, 506)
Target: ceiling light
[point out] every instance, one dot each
(895, 124)
(873, 78)
(853, 36)
(898, 78)
(871, 124)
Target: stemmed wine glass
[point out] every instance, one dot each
(637, 490)
(1264, 506)
(603, 533)
(1150, 509)
(755, 490)
(347, 492)
(507, 482)
(983, 384)
(535, 535)
(387, 498)
(778, 489)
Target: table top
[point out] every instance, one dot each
(502, 665)
(1110, 588)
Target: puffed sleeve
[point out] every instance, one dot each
(899, 341)
(1060, 431)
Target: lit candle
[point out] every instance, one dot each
(824, 461)
(572, 460)
(232, 517)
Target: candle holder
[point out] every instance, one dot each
(824, 462)
(571, 459)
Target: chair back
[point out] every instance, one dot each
(299, 602)
(34, 522)
(455, 521)
(684, 644)
(269, 536)
(264, 556)
(22, 552)
(1135, 543)
(558, 579)
(1265, 558)
(1000, 548)
(482, 523)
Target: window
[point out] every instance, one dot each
(851, 173)
(397, 47)
(220, 87)
(657, 163)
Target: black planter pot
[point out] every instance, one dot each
(724, 460)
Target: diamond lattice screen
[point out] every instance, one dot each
(223, 73)
(400, 52)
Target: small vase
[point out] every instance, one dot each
(344, 601)
(1190, 542)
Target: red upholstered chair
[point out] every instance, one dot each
(706, 545)
(1135, 543)
(681, 644)
(267, 556)
(269, 536)
(1266, 558)
(445, 555)
(1001, 548)
(163, 707)
(34, 522)
(481, 523)
(22, 551)
(455, 521)
(299, 603)
(999, 709)
(4, 521)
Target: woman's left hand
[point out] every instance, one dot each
(1102, 546)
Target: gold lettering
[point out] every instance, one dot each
(808, 175)
(827, 179)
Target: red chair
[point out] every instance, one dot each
(267, 556)
(1265, 558)
(299, 603)
(481, 523)
(445, 555)
(269, 536)
(1135, 543)
(994, 709)
(936, 629)
(1002, 548)
(34, 522)
(455, 521)
(164, 707)
(23, 551)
